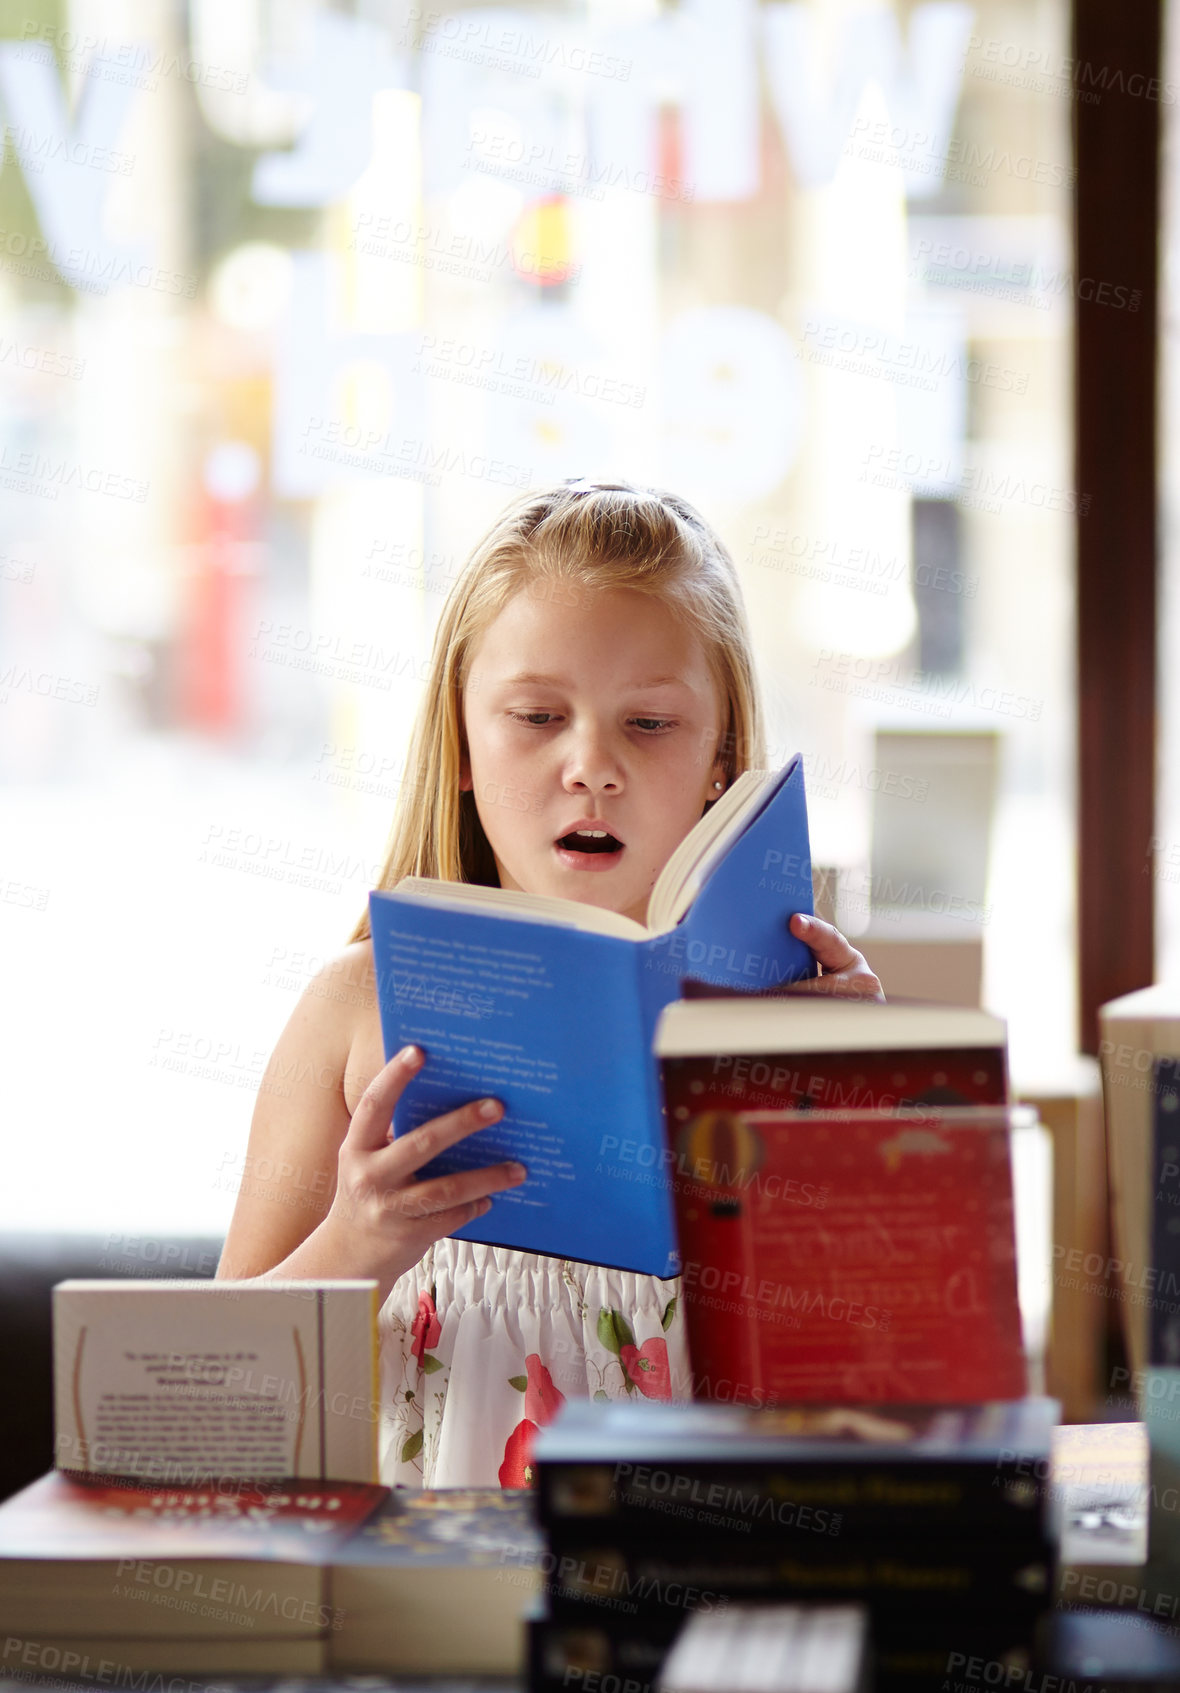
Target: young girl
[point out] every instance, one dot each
(591, 678)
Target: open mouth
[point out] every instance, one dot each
(590, 843)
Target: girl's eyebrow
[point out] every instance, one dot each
(529, 678)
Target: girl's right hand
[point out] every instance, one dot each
(384, 1216)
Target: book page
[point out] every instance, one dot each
(511, 902)
(703, 847)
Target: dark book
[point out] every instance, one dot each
(930, 1657)
(565, 1652)
(1140, 1031)
(962, 1655)
(851, 1471)
(1164, 1332)
(579, 1653)
(637, 1573)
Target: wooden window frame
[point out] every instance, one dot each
(1117, 52)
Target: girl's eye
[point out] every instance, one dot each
(648, 725)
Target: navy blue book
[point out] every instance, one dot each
(551, 1006)
(1165, 1305)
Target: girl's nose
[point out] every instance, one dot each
(593, 764)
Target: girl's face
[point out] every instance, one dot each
(589, 709)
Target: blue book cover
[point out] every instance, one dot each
(551, 1006)
(1164, 1300)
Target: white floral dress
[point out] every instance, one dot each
(480, 1345)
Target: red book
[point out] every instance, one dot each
(99, 1581)
(792, 1051)
(864, 1254)
(80, 1516)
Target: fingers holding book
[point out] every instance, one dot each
(410, 1152)
(377, 1191)
(844, 971)
(369, 1129)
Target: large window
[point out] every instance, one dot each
(294, 297)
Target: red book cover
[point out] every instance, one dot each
(76, 1516)
(858, 1256)
(826, 1054)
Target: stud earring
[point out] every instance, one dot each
(718, 785)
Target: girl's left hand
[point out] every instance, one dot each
(843, 970)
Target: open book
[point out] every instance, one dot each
(551, 1006)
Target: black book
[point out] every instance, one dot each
(788, 1644)
(1119, 1652)
(1164, 1323)
(580, 1652)
(623, 1654)
(907, 1471)
(653, 1573)
(974, 1657)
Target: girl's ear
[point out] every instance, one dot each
(465, 782)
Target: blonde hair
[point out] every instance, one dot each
(595, 536)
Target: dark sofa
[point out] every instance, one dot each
(30, 1267)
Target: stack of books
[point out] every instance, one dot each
(841, 1177)
(215, 1509)
(931, 1517)
(262, 1579)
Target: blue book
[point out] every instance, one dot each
(551, 1006)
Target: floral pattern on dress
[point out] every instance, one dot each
(426, 1327)
(481, 1346)
(414, 1387)
(644, 1367)
(542, 1401)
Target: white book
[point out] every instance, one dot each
(182, 1381)
(787, 1648)
(819, 1023)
